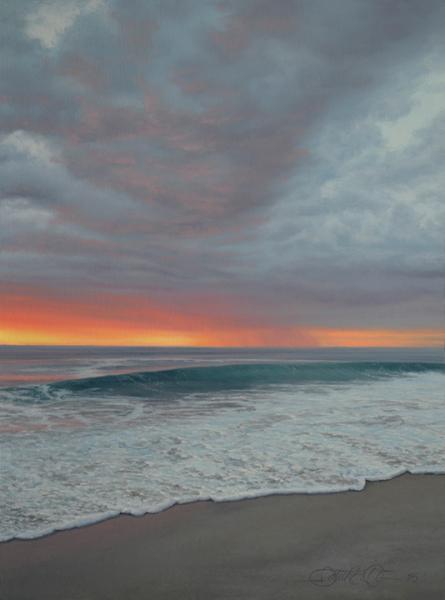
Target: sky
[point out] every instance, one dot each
(222, 173)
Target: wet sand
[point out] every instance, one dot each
(386, 542)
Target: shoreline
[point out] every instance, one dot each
(387, 540)
(91, 520)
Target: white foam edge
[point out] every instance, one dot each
(94, 518)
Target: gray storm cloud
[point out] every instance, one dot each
(288, 154)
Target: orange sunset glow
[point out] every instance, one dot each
(108, 321)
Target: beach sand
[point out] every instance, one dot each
(386, 542)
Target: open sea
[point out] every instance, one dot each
(88, 433)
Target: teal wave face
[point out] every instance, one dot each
(195, 379)
(216, 432)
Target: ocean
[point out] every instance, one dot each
(89, 433)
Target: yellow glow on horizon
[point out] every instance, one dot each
(28, 318)
(64, 338)
(355, 338)
(305, 337)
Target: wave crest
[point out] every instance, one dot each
(238, 376)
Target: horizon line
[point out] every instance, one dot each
(321, 347)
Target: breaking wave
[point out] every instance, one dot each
(227, 377)
(79, 451)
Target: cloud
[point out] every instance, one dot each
(51, 20)
(285, 156)
(31, 145)
(19, 212)
(426, 105)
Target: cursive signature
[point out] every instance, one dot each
(370, 575)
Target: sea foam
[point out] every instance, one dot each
(75, 453)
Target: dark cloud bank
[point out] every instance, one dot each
(287, 155)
